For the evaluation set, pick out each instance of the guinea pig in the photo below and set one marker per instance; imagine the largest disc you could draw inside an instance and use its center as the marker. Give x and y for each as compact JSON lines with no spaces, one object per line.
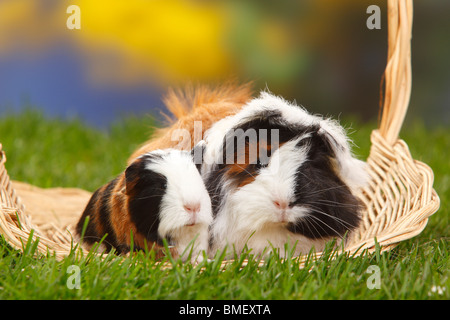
{"x":278,"y":175}
{"x":159,"y":196}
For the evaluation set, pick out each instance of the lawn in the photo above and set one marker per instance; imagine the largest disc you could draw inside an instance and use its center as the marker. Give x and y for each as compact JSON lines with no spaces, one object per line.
{"x":52,"y":152}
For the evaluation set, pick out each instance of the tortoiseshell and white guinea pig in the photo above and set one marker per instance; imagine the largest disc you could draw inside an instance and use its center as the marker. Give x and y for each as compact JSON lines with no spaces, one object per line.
{"x":161,"y":195}
{"x":277,"y":174}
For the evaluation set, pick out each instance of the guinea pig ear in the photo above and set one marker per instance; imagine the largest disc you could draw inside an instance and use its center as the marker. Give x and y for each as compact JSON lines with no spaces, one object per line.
{"x":323,"y":143}
{"x":132,"y":174}
{"x":351,"y":170}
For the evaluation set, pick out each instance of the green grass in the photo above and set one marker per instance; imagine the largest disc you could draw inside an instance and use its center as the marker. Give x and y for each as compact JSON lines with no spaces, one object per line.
{"x":52,"y":152}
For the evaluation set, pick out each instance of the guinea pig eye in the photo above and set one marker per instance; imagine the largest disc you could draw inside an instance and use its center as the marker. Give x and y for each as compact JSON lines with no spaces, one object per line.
{"x":164,"y":184}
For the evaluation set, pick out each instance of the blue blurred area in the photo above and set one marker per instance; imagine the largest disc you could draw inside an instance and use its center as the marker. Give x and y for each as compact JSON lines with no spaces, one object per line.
{"x":55,"y":82}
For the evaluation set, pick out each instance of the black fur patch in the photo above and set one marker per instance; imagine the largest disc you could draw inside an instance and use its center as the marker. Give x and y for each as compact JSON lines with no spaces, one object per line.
{"x":145,"y":190}
{"x":333,"y":209}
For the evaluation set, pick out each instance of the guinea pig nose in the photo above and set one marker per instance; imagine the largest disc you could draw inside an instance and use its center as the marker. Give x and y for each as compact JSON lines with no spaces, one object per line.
{"x":192,"y":207}
{"x":280,"y":204}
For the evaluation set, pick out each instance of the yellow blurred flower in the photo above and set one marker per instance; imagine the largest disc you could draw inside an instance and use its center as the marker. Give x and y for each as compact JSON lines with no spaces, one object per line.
{"x":170,"y":38}
{"x":22,"y":26}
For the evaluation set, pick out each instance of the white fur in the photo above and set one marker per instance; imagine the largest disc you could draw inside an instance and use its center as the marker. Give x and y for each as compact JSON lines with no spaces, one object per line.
{"x":184,"y":186}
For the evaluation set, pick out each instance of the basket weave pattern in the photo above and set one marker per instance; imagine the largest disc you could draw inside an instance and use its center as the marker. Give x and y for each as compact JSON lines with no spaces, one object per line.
{"x":399,"y":198}
{"x":398,"y":201}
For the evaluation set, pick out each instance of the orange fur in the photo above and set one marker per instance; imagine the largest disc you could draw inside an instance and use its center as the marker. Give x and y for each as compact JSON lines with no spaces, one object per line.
{"x":100,"y":229}
{"x":237,"y":168}
{"x":119,"y":220}
{"x":195,"y":104}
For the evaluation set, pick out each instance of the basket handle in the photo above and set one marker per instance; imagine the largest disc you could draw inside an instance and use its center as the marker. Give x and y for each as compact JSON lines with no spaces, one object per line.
{"x":397,"y":75}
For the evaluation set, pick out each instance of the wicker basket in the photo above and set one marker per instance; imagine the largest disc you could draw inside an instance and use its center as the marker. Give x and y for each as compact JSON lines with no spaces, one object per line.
{"x":398,"y":201}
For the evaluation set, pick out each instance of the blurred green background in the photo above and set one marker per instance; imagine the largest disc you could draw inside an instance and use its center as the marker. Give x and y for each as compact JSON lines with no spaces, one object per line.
{"x":319,"y":53}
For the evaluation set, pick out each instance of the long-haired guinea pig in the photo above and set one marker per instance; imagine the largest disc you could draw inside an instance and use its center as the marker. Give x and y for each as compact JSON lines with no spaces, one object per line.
{"x":277,"y":174}
{"x":160,"y":195}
